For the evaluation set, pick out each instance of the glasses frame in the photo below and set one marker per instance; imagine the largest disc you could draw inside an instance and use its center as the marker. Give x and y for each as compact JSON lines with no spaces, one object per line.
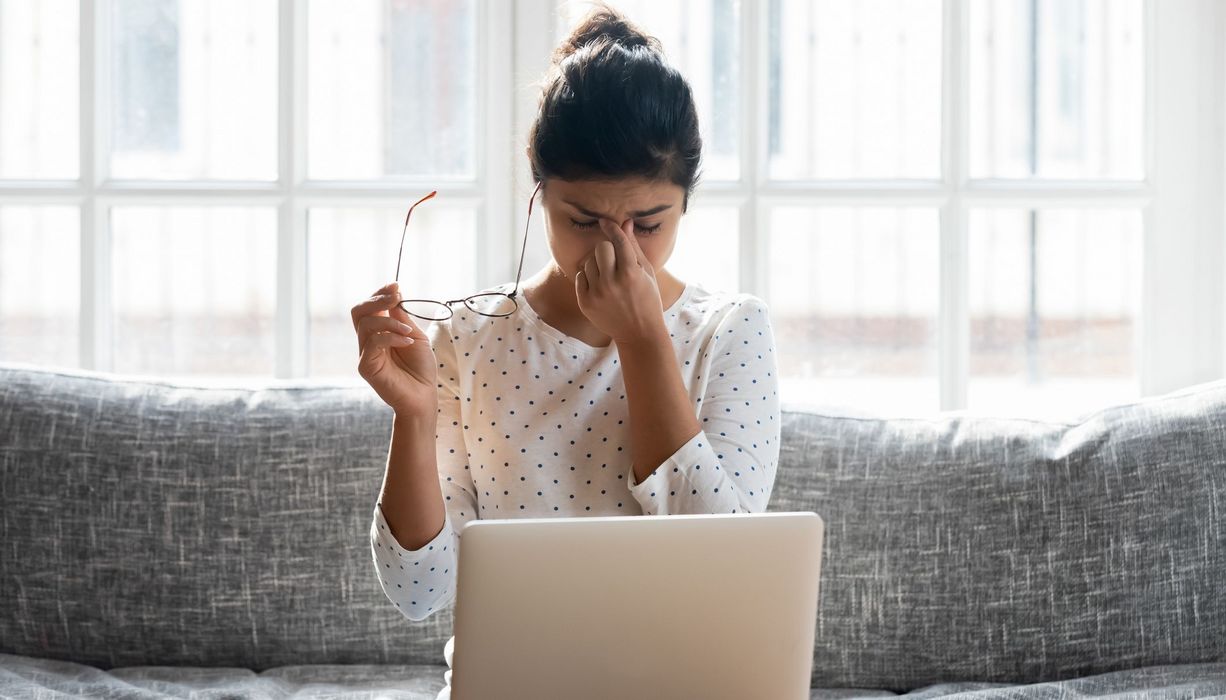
{"x":447,"y":304}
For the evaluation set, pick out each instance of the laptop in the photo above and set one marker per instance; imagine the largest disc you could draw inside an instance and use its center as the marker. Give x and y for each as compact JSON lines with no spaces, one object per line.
{"x":646,"y":606}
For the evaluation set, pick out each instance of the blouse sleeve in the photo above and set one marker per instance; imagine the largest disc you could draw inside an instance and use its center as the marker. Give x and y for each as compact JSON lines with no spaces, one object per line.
{"x":422,"y":581}
{"x":729,"y":465}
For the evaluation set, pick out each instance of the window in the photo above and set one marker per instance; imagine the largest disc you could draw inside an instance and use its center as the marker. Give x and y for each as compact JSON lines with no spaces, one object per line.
{"x":1002,"y":205}
{"x":952,"y":204}
{"x":206,"y":188}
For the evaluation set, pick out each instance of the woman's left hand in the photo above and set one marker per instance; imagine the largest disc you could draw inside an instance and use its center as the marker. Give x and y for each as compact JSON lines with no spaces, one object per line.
{"x":617,"y":290}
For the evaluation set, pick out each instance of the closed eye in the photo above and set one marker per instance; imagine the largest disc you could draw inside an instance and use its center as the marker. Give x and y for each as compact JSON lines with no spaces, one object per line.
{"x":646,"y":230}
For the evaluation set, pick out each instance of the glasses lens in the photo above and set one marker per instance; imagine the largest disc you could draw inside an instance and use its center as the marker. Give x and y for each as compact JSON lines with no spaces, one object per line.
{"x":426,"y":309}
{"x":494,"y":304}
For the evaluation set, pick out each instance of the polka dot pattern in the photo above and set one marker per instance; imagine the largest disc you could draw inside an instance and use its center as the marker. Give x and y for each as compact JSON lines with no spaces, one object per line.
{"x":535,"y":423}
{"x":729,"y":465}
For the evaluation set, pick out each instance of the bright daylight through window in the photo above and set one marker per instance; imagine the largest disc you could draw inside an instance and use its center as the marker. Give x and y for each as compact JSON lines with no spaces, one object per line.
{"x":944,"y":203}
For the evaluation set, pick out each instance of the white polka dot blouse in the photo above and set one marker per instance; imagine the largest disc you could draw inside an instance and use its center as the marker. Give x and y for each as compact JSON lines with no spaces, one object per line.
{"x":534,"y":423}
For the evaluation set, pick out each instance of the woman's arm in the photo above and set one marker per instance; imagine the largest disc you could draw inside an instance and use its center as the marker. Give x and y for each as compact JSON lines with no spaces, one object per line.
{"x":729,"y":464}
{"x":411,"y":498}
{"x":617,"y":291}
{"x":418,"y":569}
{"x":661,"y":416}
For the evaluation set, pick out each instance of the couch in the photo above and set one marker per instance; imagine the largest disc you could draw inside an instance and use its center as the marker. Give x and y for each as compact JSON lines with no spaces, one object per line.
{"x":163,"y":538}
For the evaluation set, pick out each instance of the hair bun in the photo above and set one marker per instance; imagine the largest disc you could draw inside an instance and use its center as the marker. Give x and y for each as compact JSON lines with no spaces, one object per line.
{"x":613,"y":107}
{"x":604,"y":25}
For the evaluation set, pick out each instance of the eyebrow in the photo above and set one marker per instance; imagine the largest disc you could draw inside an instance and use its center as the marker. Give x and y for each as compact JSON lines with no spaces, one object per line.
{"x":637,"y":214}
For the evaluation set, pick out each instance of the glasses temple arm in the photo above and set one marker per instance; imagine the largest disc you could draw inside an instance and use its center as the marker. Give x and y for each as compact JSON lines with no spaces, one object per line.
{"x":524,"y":248}
{"x":400,"y":253}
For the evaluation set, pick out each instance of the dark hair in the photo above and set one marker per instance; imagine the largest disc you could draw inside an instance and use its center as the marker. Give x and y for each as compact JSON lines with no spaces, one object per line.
{"x":612,"y":106}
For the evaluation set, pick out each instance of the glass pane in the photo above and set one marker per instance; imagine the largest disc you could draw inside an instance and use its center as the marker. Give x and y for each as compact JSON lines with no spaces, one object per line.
{"x":194,"y":289}
{"x":352,"y":252}
{"x":707,"y":248}
{"x":854,"y":294}
{"x":39,"y":55}
{"x":40,"y":285}
{"x":855,"y":89}
{"x":391,"y":89}
{"x":1055,"y":298}
{"x":702,"y":40}
{"x":194,"y":89}
{"x":1057,"y":89}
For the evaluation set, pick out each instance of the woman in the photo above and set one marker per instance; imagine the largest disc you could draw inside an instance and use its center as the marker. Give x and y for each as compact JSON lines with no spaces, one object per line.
{"x":615,"y":388}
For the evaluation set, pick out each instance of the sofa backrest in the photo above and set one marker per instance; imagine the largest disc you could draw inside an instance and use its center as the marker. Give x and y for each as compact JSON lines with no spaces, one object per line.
{"x":158,"y":523}
{"x":969,"y":547}
{"x":153,"y":523}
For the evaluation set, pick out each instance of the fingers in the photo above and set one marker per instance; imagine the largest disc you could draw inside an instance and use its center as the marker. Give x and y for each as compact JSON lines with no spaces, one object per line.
{"x":625,"y":253}
{"x":591,"y":269}
{"x":628,"y":230}
{"x":377,"y":344}
{"x":397,"y":312}
{"x":373,"y":327}
{"x":581,"y":286}
{"x":378,"y":304}
{"x":606,"y":259}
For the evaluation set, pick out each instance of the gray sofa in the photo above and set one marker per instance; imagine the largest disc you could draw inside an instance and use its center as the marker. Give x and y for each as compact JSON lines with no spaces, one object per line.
{"x":160,"y":539}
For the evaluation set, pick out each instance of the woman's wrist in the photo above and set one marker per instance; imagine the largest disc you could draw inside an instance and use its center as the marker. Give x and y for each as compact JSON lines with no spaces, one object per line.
{"x":415,"y":420}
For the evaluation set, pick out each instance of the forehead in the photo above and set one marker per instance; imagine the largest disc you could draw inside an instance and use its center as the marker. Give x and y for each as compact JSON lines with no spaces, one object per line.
{"x":619,"y":195}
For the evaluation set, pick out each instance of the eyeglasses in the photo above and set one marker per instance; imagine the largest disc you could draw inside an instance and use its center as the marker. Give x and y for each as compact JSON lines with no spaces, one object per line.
{"x":495,"y":304}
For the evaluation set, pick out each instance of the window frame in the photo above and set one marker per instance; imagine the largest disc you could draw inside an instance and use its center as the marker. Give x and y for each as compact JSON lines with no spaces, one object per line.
{"x":292,"y":193}
{"x":1181,"y":330}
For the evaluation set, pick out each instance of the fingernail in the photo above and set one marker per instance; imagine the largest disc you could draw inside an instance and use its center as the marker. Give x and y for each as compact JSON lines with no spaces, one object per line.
{"x":406,"y":328}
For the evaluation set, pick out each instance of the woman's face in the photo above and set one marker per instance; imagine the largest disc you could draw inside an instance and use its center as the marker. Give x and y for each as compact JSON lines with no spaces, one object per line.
{"x":574,"y":207}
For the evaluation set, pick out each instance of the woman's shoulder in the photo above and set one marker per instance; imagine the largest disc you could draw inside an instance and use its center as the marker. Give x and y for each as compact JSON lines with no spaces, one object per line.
{"x":715,"y":305}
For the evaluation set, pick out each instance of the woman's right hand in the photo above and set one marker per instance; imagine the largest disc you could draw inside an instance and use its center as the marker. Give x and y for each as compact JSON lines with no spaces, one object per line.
{"x":395,"y":356}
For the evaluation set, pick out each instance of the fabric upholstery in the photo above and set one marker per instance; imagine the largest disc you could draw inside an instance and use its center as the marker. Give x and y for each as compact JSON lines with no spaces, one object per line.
{"x":1007,"y":550}
{"x":26,"y":677}
{"x":157,"y":523}
{"x":153,"y":524}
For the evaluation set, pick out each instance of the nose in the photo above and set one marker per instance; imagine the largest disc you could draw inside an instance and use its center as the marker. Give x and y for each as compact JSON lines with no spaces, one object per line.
{"x":621,"y":225}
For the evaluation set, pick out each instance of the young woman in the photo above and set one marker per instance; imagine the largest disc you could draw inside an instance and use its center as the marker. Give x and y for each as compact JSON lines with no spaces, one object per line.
{"x":614,"y":388}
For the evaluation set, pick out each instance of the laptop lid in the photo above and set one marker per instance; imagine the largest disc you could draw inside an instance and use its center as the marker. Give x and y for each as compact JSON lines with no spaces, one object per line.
{"x":663,"y":606}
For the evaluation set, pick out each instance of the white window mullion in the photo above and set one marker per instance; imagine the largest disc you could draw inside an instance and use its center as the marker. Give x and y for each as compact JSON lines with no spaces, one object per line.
{"x":95,"y":321}
{"x":292,"y":330}
{"x":1143,"y":327}
{"x":96,"y":328}
{"x":534,"y":27}
{"x":1055,"y":193}
{"x":754,"y":233}
{"x":953,"y":326}
{"x":498,"y":256}
{"x":1184,"y":295}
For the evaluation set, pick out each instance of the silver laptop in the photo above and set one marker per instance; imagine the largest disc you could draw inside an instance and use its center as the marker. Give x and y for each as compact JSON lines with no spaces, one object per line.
{"x":647,"y":606}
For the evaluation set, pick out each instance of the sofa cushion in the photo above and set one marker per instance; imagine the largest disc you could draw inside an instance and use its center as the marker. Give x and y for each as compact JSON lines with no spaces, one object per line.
{"x":24,"y":677}
{"x":964,"y":546}
{"x":28,"y":677}
{"x":159,"y":523}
